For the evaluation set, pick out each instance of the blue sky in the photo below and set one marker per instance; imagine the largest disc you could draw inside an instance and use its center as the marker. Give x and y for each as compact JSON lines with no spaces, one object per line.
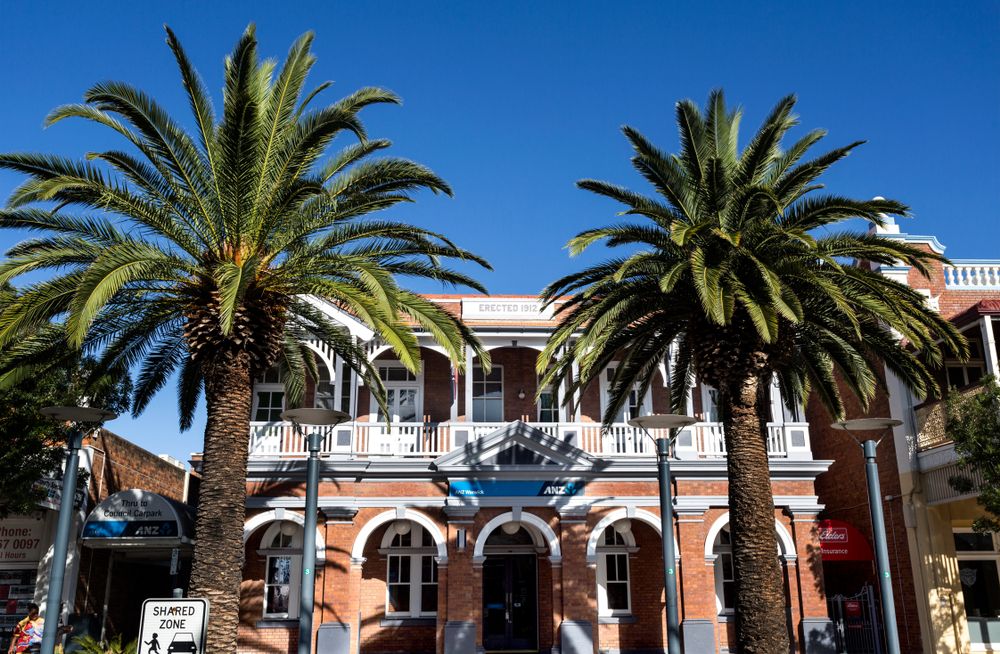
{"x":513,"y":102}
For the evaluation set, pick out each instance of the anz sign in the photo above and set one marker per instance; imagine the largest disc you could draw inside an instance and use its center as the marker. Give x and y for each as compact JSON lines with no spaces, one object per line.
{"x":513,"y":488}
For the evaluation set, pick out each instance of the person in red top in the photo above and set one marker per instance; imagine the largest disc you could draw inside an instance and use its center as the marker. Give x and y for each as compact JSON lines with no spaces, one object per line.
{"x":28,"y":632}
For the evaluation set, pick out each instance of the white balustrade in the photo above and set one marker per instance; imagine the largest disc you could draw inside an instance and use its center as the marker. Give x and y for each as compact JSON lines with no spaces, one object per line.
{"x":703,"y":440}
{"x":972,"y":275}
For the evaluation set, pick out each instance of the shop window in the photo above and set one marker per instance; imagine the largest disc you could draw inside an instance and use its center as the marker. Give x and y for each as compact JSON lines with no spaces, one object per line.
{"x":411,"y":571}
{"x":282,"y":547}
{"x":487,"y":394}
{"x":614,"y":592}
{"x":725,"y":572}
{"x":978,"y":557}
{"x":17,"y":590}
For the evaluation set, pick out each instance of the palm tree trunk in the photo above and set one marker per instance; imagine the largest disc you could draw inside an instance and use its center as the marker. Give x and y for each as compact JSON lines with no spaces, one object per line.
{"x":217,"y":569}
{"x":761,"y":626}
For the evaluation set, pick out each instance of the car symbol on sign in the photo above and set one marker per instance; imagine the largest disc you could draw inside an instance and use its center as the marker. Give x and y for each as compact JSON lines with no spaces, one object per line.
{"x":183,"y":642}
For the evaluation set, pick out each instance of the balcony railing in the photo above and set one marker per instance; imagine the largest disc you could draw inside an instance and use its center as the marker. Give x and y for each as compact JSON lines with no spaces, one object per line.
{"x":703,"y":440}
{"x":932,"y":418}
{"x":972,"y":276}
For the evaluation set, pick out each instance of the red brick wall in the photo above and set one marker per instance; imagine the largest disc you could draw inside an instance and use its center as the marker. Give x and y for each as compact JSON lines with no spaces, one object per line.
{"x":120,"y":465}
{"x":843,"y":490}
{"x":951,"y":302}
{"x":648,"y":602}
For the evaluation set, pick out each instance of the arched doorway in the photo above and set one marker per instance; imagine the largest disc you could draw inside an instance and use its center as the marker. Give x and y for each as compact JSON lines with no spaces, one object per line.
{"x":510,"y":548}
{"x":510,"y":590}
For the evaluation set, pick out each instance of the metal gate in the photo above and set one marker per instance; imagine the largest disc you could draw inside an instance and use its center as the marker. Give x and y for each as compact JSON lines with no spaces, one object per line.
{"x":856,"y":623}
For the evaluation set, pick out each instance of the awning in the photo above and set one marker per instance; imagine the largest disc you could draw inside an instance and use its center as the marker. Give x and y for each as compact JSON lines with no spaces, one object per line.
{"x":841,"y":541}
{"x":139,"y":518}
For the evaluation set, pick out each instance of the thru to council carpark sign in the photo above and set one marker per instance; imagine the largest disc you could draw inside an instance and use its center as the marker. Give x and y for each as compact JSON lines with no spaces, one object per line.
{"x":173,"y":626}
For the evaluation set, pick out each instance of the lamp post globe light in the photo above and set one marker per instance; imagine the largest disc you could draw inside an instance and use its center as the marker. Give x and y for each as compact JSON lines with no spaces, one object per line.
{"x":312,"y":418}
{"x":868,"y":446}
{"x":80,"y":416}
{"x":672,"y":422}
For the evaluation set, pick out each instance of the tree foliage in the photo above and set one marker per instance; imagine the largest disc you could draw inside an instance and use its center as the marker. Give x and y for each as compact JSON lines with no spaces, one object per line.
{"x":737,"y":271}
{"x":737,"y":256}
{"x":974,"y":425}
{"x":31,"y":447}
{"x":191,"y":246}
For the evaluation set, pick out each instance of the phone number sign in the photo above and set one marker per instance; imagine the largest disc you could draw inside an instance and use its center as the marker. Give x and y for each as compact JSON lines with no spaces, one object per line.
{"x":20,"y":540}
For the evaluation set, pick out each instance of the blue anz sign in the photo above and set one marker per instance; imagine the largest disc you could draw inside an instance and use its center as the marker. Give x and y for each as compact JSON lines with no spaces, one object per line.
{"x":513,"y":488}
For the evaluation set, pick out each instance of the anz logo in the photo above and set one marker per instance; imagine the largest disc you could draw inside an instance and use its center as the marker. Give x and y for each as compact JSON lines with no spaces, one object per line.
{"x":148,"y":530}
{"x":569,"y":488}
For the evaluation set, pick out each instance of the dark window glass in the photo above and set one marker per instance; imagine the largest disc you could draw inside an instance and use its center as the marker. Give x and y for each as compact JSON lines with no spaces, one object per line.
{"x":980,"y":588}
{"x":970,"y":542}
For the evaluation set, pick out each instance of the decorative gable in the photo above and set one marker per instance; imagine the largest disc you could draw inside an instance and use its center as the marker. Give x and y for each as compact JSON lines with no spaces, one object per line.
{"x":520,"y":445}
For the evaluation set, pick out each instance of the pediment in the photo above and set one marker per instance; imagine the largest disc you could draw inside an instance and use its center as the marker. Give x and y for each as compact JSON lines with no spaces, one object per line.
{"x":516,"y":445}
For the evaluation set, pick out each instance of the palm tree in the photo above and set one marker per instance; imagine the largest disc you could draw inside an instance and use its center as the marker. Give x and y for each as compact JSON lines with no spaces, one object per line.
{"x":733,"y":268}
{"x":199,"y":253}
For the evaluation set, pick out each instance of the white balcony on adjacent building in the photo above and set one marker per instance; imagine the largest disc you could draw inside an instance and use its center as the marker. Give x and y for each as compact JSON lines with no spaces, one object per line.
{"x":703,"y":440}
{"x":972,"y":275}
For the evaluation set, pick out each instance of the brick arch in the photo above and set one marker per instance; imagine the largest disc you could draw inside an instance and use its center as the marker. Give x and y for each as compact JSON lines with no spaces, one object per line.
{"x":535,"y":524}
{"x":620,"y":514}
{"x":786,"y":546}
{"x":358,"y":550}
{"x":277,"y":515}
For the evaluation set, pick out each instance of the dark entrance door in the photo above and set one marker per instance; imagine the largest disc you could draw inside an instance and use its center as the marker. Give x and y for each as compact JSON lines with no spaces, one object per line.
{"x":510,"y":603}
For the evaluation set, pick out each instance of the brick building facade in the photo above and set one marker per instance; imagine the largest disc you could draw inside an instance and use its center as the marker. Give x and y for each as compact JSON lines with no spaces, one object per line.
{"x":945,"y":579}
{"x":113,"y":466}
{"x":473,"y":519}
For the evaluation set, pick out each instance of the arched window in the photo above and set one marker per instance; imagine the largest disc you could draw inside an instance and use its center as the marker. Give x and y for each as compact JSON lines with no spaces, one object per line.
{"x":614,"y":592}
{"x":411,"y":588}
{"x":725,"y":575}
{"x":282,"y":547}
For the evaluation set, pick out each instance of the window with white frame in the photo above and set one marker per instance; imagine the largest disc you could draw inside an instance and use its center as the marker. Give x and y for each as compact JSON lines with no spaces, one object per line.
{"x":487,"y":394}
{"x":269,"y":396}
{"x":710,"y":403}
{"x":633,"y":407}
{"x":978,"y":557}
{"x":402,"y":391}
{"x":345,"y":387}
{"x":614,"y":591}
{"x":281,"y":546}
{"x":326,"y":396}
{"x":548,"y":405}
{"x":725,"y":572}
{"x":411,"y":586}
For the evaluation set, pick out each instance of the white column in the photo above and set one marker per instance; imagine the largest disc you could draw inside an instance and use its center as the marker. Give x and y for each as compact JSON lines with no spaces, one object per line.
{"x":989,"y":346}
{"x":777,"y":402}
{"x":453,"y":386}
{"x":469,"y":355}
{"x":575,"y":371}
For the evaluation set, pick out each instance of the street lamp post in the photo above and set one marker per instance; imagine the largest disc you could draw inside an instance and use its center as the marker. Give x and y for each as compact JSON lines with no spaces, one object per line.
{"x":314,"y":418}
{"x":878,"y":519}
{"x":671,"y":422}
{"x":79,"y":416}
